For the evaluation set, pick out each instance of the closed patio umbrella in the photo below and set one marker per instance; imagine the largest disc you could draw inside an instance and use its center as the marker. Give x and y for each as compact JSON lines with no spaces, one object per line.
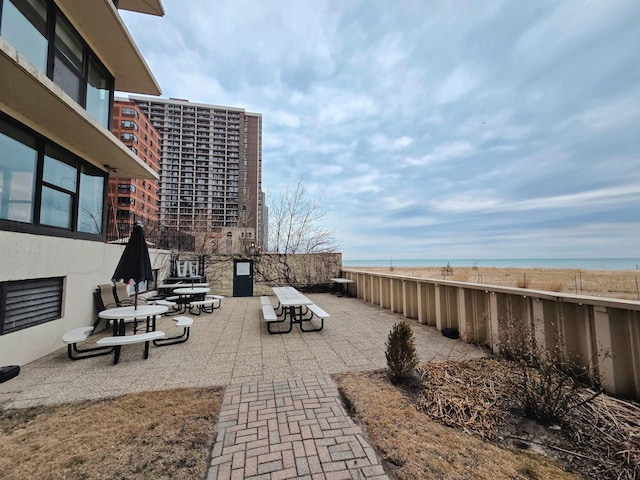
{"x":135,"y":263}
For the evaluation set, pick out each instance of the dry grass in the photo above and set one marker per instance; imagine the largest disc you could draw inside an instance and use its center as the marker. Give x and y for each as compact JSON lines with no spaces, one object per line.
{"x":420,"y":448}
{"x":523,"y":282}
{"x":462,"y":419}
{"x":553,"y":286}
{"x":169,"y":434}
{"x":603,"y":283}
{"x":160,"y":435}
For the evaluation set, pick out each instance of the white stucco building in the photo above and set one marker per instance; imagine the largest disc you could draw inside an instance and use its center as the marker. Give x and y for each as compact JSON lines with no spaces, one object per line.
{"x":60,"y":63}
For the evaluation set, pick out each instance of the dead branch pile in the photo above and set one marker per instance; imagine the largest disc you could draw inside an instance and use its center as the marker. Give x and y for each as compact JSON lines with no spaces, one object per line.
{"x":467,"y":395}
{"x":476,"y":395}
{"x":609,"y":428}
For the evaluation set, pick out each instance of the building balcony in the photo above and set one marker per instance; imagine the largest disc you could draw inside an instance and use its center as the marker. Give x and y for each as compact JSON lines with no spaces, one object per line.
{"x":107,"y":34}
{"x":28,"y":95}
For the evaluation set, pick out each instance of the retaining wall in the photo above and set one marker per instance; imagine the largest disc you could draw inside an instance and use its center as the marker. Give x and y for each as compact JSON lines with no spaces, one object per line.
{"x":601,"y":334}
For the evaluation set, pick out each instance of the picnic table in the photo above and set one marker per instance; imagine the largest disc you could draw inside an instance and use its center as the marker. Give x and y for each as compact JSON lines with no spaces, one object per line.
{"x":186,"y":295}
{"x":120,"y":316}
{"x":341,"y":285}
{"x":291,"y":303}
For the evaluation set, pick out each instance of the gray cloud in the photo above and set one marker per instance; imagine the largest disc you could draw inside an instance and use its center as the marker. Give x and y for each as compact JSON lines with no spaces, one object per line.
{"x":433,"y":129}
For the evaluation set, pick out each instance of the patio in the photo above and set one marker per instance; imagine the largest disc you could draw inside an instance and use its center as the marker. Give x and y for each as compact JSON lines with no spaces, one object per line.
{"x":230,"y":346}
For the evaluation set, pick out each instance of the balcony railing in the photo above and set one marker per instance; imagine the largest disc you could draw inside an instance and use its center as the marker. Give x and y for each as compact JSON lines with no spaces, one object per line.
{"x":600,"y":334}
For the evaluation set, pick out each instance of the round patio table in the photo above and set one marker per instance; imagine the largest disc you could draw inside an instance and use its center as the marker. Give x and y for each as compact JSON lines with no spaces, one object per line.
{"x":188,"y":294}
{"x":120,"y":315}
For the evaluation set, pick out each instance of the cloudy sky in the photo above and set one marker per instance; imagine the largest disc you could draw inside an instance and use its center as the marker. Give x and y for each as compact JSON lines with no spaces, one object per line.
{"x":431,"y":129}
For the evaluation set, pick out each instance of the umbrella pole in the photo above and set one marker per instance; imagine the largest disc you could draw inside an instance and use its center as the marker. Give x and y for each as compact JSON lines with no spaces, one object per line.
{"x":135,"y":297}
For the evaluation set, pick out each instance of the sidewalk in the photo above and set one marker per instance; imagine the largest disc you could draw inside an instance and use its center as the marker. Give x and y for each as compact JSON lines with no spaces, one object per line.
{"x":290,"y":429}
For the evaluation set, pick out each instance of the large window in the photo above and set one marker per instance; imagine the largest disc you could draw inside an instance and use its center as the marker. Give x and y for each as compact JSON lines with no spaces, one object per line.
{"x":67,"y":61}
{"x":99,"y":92}
{"x":70,"y":63}
{"x":44,"y":187}
{"x":18,"y":160}
{"x":59,"y":181}
{"x":91,"y":200}
{"x":29,"y":302}
{"x":129,"y":124}
{"x":129,"y":137}
{"x":24,"y":25}
{"x":130,"y":112}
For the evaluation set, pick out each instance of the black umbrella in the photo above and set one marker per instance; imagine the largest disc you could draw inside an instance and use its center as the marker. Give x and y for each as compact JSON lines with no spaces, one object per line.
{"x":135,"y":263}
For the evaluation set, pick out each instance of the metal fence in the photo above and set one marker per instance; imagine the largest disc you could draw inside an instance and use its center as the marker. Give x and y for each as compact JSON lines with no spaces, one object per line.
{"x":599,"y":334}
{"x":157,"y":235}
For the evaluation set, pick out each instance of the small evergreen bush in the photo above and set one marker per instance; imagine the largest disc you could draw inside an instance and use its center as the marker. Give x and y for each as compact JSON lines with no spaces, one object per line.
{"x":401,"y":351}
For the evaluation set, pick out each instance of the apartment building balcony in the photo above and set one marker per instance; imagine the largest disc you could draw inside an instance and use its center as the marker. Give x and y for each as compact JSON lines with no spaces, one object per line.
{"x":61,"y":118}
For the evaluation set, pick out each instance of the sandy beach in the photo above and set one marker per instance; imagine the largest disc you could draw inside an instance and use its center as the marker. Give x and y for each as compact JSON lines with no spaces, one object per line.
{"x":622,"y":284}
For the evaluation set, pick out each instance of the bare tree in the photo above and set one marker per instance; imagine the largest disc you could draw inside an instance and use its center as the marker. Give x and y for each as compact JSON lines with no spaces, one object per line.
{"x":293,"y":224}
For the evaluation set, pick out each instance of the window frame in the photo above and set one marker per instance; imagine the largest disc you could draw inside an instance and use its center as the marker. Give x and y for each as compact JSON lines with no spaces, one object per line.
{"x":42,"y":145}
{"x":129,"y":112}
{"x":62,"y":157}
{"x":55,"y":15}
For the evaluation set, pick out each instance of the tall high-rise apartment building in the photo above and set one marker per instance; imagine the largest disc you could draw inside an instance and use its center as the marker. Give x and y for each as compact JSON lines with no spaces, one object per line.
{"x":132,"y":199}
{"x":210,"y":171}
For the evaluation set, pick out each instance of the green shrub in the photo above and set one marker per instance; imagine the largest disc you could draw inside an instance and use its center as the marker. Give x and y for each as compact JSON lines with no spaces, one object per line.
{"x":401,"y":351}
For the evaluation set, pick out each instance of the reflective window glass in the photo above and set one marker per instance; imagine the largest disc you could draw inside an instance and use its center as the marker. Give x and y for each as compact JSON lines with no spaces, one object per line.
{"x":98,"y":89}
{"x":24,"y":25}
{"x":18,"y":159}
{"x":66,"y":78}
{"x":68,"y":43}
{"x":91,"y":201}
{"x":59,"y":173}
{"x":56,"y":208}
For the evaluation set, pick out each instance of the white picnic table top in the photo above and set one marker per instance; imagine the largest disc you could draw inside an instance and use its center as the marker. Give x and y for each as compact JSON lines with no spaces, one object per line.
{"x":172,"y":286}
{"x":131,"y":313}
{"x":191,"y":291}
{"x":121,"y":315}
{"x":289,"y":297}
{"x":341,"y":280}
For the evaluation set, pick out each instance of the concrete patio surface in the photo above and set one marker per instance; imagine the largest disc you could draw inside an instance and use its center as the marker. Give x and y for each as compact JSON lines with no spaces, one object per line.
{"x":229,"y":346}
{"x":282,"y":416}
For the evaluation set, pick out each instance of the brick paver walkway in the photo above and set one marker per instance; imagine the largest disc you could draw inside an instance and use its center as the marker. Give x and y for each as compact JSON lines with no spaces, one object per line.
{"x":295,"y":428}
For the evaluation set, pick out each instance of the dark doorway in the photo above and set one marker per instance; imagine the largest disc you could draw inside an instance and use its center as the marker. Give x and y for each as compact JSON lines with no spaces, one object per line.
{"x":243,"y":278}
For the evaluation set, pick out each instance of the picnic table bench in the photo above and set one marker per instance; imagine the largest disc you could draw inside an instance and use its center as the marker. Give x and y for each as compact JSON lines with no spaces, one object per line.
{"x":118,"y":341}
{"x":208,"y":305}
{"x":315,"y":311}
{"x":268,"y":312}
{"x":80,"y":334}
{"x":185,"y":323}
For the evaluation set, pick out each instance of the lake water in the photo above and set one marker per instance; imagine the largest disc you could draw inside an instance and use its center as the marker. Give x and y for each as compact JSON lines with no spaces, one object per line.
{"x":580,"y":263}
